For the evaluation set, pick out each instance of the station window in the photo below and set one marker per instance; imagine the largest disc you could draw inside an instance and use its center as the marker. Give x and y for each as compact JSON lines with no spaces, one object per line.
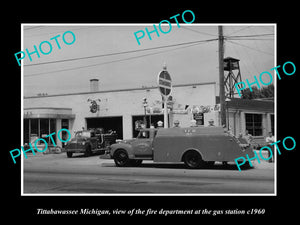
{"x":65,"y":123}
{"x":39,"y":128}
{"x":52,"y":128}
{"x":44,"y":129}
{"x":34,"y":129}
{"x":272,"y":123}
{"x":254,"y":124}
{"x":26,"y":131}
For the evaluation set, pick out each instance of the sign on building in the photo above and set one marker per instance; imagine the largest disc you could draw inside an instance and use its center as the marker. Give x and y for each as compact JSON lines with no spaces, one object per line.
{"x":199,"y":117}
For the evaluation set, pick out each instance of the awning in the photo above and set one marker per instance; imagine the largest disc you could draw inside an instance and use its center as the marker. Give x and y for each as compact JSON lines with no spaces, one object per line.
{"x":48,"y":112}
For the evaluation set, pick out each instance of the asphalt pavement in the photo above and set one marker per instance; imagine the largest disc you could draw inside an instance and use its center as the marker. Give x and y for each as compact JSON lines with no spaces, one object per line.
{"x":57,"y":174}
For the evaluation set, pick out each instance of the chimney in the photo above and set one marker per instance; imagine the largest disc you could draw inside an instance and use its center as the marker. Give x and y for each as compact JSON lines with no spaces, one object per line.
{"x":94,"y":86}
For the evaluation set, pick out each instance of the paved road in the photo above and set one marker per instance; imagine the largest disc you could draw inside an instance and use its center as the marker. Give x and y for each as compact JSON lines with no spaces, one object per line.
{"x":57,"y":174}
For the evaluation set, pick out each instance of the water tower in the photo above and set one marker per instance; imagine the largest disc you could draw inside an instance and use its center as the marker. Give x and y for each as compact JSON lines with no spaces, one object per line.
{"x":232,"y":77}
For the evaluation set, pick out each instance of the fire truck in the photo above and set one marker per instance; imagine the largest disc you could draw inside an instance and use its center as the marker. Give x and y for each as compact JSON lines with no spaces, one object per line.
{"x":195,"y":146}
{"x":90,"y":141}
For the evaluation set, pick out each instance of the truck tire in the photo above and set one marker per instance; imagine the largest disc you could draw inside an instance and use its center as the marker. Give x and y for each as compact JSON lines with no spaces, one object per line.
{"x":192,"y":159}
{"x":57,"y":150}
{"x":69,"y":154}
{"x":121,"y":158}
{"x":88,"y":151}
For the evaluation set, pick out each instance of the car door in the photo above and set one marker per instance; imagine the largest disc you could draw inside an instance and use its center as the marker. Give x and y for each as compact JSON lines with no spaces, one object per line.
{"x":93,"y":141}
{"x":142,"y":146}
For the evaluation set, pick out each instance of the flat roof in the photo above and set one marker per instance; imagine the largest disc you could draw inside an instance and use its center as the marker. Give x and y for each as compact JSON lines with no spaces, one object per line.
{"x":251,"y":104}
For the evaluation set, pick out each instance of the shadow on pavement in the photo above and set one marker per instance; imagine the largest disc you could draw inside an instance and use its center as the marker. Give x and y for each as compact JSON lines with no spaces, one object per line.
{"x":217,"y":166}
{"x":182,"y":166}
{"x":82,"y":155}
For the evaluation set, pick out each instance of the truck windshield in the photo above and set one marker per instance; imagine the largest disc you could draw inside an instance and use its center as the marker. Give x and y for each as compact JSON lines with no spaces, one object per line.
{"x":83,"y":134}
{"x":147,"y":134}
{"x":143,"y":134}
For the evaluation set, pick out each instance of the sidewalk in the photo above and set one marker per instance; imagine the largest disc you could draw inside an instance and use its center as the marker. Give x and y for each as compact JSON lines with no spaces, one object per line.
{"x":264,"y":164}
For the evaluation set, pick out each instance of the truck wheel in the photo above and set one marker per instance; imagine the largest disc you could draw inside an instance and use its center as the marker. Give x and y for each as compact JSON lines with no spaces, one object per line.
{"x":193,"y":160}
{"x":121,"y":158}
{"x":69,"y":154}
{"x":57,"y":150}
{"x":88,"y":151}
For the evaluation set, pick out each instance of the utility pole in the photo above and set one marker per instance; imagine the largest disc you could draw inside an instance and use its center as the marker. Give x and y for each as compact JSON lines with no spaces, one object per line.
{"x":221,"y":76}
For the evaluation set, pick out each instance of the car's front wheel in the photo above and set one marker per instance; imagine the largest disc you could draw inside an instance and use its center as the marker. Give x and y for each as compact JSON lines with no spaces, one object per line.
{"x":121,"y":158}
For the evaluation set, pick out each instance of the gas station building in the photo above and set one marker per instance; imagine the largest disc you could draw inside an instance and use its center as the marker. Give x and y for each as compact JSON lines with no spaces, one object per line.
{"x":119,"y":110}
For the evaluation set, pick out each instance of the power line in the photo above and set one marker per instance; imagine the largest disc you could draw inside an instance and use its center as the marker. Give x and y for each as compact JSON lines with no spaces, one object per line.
{"x":244,"y":65}
{"x":243,"y":28}
{"x":252,"y":35}
{"x":250,"y":47}
{"x":138,"y":50}
{"x":119,"y":60}
{"x":119,"y":53}
{"x":200,"y":32}
{"x":258,"y":39}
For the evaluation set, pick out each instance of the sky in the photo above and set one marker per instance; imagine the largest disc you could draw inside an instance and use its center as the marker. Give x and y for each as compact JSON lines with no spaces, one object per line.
{"x":189,"y":51}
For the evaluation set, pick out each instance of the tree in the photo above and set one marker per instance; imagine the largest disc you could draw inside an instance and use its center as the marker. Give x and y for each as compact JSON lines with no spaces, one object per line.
{"x":263,"y":92}
{"x":267,"y":92}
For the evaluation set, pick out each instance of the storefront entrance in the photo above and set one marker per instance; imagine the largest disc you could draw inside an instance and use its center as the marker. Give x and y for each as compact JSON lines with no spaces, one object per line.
{"x":107,"y":123}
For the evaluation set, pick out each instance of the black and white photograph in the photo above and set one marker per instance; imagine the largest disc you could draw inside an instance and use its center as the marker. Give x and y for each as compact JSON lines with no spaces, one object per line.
{"x":148,"y":118}
{"x":148,"y":111}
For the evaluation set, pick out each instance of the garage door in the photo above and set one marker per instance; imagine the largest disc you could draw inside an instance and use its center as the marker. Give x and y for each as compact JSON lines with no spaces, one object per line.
{"x":108,"y":123}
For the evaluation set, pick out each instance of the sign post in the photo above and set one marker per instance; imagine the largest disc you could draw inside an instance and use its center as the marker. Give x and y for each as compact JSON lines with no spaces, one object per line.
{"x":165,"y":86}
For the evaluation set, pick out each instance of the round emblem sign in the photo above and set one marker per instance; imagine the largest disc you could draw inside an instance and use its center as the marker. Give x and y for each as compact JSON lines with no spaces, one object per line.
{"x":93,"y":107}
{"x":164,"y":83}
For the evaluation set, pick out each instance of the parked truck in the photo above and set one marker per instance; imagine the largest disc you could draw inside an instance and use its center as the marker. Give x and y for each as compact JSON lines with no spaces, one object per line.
{"x":195,"y":146}
{"x":90,"y":141}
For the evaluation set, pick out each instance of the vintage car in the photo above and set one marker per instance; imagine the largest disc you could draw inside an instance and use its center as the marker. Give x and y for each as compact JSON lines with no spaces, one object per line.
{"x":195,"y":146}
{"x":90,"y":141}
